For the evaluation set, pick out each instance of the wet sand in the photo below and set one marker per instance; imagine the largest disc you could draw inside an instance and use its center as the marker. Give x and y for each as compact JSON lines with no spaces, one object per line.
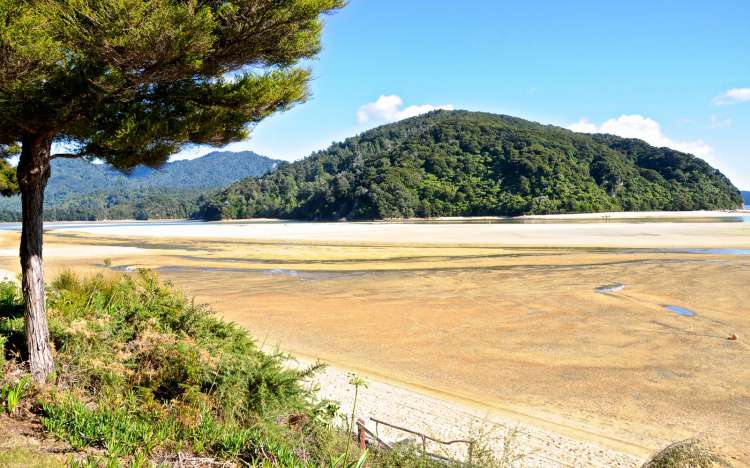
{"x":506,"y":317}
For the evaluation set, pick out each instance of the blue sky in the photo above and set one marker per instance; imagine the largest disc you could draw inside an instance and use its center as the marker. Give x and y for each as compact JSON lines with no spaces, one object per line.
{"x":675,"y":73}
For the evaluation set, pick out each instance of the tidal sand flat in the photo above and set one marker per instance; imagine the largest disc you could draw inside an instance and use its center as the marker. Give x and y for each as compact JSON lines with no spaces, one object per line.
{"x":507,"y":318}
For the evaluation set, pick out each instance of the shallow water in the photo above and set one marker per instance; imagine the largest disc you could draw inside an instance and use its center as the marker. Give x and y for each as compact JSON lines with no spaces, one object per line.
{"x":713,"y":251}
{"x":680,"y":311}
{"x":729,"y":218}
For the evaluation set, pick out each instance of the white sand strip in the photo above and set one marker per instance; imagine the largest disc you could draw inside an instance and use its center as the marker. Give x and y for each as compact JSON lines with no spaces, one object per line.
{"x":631,"y":235}
{"x":448,"y":420}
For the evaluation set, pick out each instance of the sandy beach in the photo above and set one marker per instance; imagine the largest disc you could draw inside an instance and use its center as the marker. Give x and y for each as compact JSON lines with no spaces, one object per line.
{"x":566,"y":329}
{"x":444,"y":419}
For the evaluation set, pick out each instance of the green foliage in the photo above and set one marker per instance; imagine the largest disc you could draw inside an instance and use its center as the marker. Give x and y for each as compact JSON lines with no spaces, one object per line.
{"x":150,"y":203}
{"x":458,"y":163}
{"x":82,"y":191}
{"x":11,"y":321}
{"x":8,"y":180}
{"x":132,"y":82}
{"x":343,"y":461}
{"x":12,"y":393}
{"x":407,"y":456}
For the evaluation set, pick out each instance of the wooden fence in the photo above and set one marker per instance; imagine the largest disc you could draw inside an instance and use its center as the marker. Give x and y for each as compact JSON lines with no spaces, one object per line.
{"x":363,"y":433}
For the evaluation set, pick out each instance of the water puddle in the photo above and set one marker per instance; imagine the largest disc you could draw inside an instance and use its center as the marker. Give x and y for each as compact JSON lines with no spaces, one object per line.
{"x":680,"y":311}
{"x":610,"y":288}
{"x":678,"y":251}
{"x":281,"y":271}
{"x":717,"y":251}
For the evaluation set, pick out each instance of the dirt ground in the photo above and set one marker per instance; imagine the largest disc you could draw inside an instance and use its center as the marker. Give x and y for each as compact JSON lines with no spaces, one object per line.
{"x":519,"y":330}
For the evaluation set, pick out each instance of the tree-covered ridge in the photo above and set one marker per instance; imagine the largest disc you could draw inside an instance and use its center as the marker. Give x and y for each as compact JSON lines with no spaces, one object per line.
{"x":144,"y":204}
{"x":459,"y":163}
{"x":81,"y":190}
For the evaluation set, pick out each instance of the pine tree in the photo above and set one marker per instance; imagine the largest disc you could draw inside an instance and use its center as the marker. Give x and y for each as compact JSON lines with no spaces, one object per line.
{"x":131,"y":82}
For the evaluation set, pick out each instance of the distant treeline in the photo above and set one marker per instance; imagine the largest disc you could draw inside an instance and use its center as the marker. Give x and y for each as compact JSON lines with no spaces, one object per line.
{"x":458,"y":163}
{"x":152,"y":203}
{"x":83,"y":191}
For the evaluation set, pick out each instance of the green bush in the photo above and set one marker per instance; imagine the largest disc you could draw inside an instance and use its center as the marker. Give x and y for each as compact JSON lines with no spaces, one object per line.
{"x":2,"y":353}
{"x":141,"y":369}
{"x":10,"y":311}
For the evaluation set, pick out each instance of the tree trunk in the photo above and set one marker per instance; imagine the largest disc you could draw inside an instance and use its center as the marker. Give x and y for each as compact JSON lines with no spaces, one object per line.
{"x":33,"y":172}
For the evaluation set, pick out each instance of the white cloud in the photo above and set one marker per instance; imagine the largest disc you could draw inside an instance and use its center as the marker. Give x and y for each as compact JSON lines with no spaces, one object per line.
{"x":391,"y":108}
{"x":584,"y":126}
{"x":643,"y":128}
{"x":733,"y":96}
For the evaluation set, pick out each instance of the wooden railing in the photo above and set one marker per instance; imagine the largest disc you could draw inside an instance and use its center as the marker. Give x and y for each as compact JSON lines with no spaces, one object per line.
{"x":363,"y":432}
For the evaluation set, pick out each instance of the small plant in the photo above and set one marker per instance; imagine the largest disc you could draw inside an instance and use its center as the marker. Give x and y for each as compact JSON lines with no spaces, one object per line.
{"x":2,"y":353}
{"x":691,"y":453}
{"x":107,"y":262}
{"x":486,"y":453}
{"x":357,"y":382}
{"x":342,"y":462}
{"x":12,"y":394}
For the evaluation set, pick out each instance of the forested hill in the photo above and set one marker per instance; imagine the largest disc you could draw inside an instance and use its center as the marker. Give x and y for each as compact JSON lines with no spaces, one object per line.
{"x":459,"y":163}
{"x":79,"y":189}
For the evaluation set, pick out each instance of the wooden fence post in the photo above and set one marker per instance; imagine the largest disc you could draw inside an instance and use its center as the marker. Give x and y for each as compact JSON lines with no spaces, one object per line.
{"x":361,"y":434}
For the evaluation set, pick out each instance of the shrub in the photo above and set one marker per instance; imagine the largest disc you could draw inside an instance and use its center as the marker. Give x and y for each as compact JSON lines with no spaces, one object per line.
{"x":690,"y":453}
{"x":2,"y":352}
{"x":141,"y":369}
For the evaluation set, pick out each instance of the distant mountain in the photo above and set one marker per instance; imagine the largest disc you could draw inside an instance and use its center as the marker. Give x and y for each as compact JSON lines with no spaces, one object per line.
{"x":746,"y":197}
{"x":459,"y":163}
{"x":77,"y":183}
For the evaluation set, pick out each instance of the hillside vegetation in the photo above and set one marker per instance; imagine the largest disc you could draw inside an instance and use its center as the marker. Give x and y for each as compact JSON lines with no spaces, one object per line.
{"x":81,"y":190}
{"x":143,"y":204}
{"x":459,"y":163}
